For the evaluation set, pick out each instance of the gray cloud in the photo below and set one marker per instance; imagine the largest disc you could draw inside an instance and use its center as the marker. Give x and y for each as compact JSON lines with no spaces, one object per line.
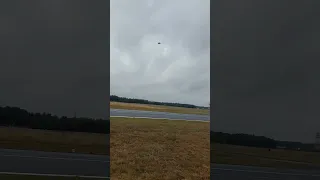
{"x":265,"y":68}
{"x":178,"y":69}
{"x":54,"y":56}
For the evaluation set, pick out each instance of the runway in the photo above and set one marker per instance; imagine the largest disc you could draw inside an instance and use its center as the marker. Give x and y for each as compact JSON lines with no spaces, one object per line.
{"x":236,"y":172}
{"x":50,"y":163}
{"x":96,"y":166}
{"x":158,"y":115}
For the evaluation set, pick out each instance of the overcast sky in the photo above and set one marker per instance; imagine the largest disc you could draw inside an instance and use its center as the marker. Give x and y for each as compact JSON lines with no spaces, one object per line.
{"x":54,"y":56}
{"x":266,"y":68}
{"x":265,"y":64}
{"x":178,"y":69}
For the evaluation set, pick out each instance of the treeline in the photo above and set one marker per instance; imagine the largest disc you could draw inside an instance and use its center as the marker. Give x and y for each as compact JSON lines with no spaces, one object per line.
{"x":17,"y":117}
{"x":143,"y":101}
{"x":257,"y":141}
{"x":242,"y":140}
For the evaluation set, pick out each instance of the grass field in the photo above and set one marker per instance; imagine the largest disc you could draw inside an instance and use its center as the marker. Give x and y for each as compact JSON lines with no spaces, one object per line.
{"x":280,"y":158}
{"x":146,"y":149}
{"x":156,"y":149}
{"x":146,"y":107}
{"x":29,"y":177}
{"x":33,"y":139}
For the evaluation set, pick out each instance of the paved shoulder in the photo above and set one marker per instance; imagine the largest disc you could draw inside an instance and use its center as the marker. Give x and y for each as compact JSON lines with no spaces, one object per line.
{"x":38,"y":162}
{"x":154,"y":114}
{"x":230,"y":172}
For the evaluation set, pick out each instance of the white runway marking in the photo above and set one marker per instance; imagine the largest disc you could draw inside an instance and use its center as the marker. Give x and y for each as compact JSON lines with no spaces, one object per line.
{"x":266,"y":172}
{"x":52,"y":175}
{"x":55,"y":158}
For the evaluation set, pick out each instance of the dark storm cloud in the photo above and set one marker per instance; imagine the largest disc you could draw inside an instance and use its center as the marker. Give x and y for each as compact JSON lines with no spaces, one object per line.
{"x":265,"y":68}
{"x":54,"y":56}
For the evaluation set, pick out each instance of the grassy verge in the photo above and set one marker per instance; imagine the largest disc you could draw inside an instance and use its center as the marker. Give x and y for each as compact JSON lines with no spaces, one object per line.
{"x":29,"y":177}
{"x":279,"y":158}
{"x":146,"y":107}
{"x":55,"y":141}
{"x":159,"y":149}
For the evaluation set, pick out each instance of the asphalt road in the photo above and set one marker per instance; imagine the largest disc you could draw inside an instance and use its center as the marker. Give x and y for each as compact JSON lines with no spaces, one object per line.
{"x":235,"y":172}
{"x":38,"y":162}
{"x":159,"y":115}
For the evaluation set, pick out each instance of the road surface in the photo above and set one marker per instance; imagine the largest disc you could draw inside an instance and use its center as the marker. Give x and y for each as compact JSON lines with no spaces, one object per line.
{"x":236,"y":172}
{"x":38,"y":162}
{"x":154,"y":114}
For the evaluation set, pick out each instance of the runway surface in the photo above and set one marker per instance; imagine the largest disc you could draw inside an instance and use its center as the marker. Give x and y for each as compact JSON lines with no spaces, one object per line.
{"x":38,"y":162}
{"x":159,"y":115}
{"x":235,"y":172}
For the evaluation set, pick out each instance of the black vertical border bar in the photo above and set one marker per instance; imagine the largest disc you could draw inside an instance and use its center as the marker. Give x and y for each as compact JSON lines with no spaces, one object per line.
{"x":103,"y":9}
{"x":101,"y":105}
{"x":108,"y":81}
{"x":211,"y":78}
{"x":217,"y":8}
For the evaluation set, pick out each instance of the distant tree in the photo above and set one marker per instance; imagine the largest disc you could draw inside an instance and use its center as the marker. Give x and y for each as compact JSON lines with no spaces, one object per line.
{"x":142,"y":101}
{"x":242,"y":139}
{"x":13,"y":116}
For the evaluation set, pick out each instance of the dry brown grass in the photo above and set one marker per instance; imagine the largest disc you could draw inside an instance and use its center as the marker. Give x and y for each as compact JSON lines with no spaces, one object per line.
{"x":145,"y":107}
{"x":143,"y":149}
{"x":230,"y":154}
{"x":55,"y":141}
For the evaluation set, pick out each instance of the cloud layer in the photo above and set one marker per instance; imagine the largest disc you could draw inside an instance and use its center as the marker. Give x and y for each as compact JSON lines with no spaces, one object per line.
{"x":178,"y":69}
